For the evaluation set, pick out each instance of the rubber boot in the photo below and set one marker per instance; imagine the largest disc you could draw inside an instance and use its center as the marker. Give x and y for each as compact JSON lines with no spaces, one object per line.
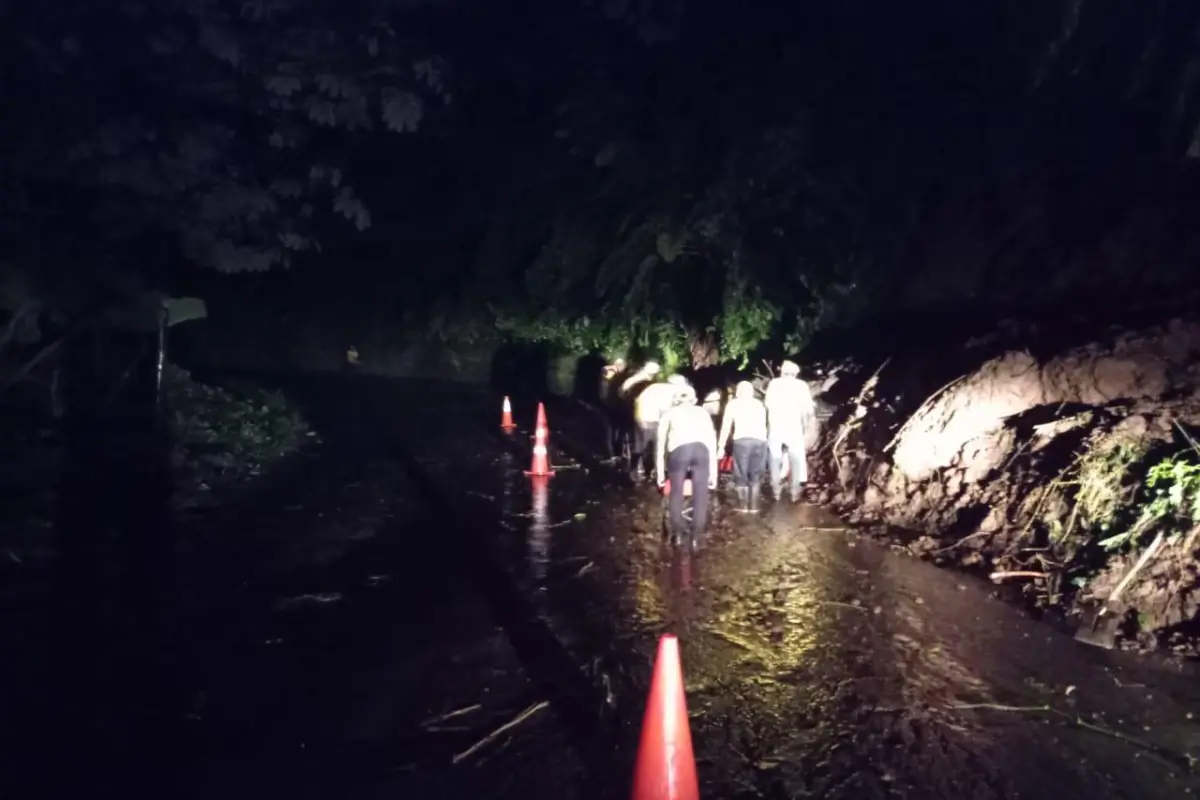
{"x":752,"y":504}
{"x":743,"y":498}
{"x":669,"y":532}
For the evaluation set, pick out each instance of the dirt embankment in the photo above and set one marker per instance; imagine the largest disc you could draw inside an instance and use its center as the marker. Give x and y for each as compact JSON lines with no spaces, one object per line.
{"x":1047,"y":467}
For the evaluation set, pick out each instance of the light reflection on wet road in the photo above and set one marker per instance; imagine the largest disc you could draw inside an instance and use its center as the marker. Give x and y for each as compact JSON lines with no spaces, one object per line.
{"x":819,"y":664}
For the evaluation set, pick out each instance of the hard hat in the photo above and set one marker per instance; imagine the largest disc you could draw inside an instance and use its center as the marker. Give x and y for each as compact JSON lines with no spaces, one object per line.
{"x":684,"y":393}
{"x":651,"y":366}
{"x":744,"y":389}
{"x":678,"y":380}
{"x":789,"y":368}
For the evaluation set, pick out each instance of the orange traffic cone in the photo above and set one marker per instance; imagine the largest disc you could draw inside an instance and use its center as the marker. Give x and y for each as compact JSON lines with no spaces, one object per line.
{"x":541,"y":437}
{"x":506,"y":415}
{"x":666,"y":768}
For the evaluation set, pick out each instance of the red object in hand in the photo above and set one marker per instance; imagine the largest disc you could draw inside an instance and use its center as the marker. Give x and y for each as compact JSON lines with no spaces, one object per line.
{"x":726,"y":464}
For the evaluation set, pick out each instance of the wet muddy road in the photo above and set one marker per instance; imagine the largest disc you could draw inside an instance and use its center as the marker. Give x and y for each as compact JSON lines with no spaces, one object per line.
{"x":817,"y":663}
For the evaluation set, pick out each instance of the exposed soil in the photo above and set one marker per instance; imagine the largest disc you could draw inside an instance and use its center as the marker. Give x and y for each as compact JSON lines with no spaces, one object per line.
{"x":1018,"y":452}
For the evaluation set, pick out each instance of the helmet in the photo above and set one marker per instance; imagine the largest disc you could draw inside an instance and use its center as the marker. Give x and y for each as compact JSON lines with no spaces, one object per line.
{"x":651,"y":367}
{"x":678,"y":380}
{"x":790,"y":369}
{"x":684,"y":393}
{"x":744,"y":390}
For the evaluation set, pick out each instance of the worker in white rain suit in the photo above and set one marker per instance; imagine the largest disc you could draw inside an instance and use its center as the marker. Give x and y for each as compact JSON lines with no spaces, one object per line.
{"x":649,"y":404}
{"x":626,"y":386}
{"x":745,"y":420}
{"x":679,"y":381}
{"x":687,"y":443}
{"x":645,"y":375}
{"x":790,"y":406}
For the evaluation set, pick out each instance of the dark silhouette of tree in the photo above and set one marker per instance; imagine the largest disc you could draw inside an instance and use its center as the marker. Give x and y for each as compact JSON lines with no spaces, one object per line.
{"x":216,"y":129}
{"x":153,"y":135}
{"x":720,"y":177}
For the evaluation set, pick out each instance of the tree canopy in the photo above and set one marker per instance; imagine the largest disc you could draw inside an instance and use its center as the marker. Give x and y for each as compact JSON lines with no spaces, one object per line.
{"x":759,"y":178}
{"x":668,"y":174}
{"x":204,"y":131}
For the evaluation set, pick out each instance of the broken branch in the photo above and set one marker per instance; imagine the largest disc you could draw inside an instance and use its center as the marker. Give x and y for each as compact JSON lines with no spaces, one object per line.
{"x":1182,"y":760}
{"x":1020,"y":573}
{"x":458,"y":712}
{"x":1141,"y":562}
{"x":929,"y":401}
{"x":961,"y":541}
{"x":503,"y":729}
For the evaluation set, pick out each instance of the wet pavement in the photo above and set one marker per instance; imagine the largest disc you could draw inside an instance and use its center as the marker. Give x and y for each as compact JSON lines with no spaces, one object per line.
{"x":817,"y":663}
{"x":491,"y":635}
{"x":360,"y":660}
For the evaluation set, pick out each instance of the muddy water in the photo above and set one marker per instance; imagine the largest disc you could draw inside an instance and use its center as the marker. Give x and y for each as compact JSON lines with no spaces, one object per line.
{"x":820,"y":664}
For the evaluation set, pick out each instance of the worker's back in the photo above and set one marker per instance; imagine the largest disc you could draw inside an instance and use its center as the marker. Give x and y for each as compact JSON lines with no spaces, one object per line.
{"x":652,"y":402}
{"x":745,"y":418}
{"x":688,"y":424}
{"x":789,"y":402}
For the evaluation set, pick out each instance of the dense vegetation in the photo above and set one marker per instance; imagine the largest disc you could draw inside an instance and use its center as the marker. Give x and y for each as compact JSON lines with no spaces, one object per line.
{"x":671,"y":174}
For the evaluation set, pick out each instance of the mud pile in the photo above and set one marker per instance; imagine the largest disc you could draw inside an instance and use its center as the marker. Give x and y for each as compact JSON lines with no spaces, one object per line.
{"x":1049,"y":467}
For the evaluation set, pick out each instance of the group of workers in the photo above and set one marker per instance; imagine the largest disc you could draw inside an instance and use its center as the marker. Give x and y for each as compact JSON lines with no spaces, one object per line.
{"x":669,"y":425}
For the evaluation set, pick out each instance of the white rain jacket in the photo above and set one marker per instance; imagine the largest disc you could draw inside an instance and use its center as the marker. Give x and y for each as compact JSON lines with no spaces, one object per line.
{"x":685,"y":424}
{"x":745,"y":418}
{"x":789,"y":404}
{"x":653,"y":402}
{"x":631,"y":383}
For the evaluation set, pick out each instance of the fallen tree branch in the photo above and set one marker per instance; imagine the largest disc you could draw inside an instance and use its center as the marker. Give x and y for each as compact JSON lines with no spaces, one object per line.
{"x":839,"y":604}
{"x":856,"y":422}
{"x":496,"y":734}
{"x":458,"y":712}
{"x":1019,"y":573}
{"x":928,"y":402}
{"x":1184,"y":760}
{"x":963,"y":540}
{"x":28,"y":367}
{"x":1141,"y":562}
{"x":1001,"y":707}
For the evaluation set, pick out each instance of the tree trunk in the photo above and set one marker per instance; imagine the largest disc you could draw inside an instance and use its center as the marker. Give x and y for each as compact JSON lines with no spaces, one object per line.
{"x":704,"y":347}
{"x":106,"y":669}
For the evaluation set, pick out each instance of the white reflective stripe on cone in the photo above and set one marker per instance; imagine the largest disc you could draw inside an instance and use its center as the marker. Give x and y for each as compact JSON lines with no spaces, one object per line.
{"x":539,"y":449}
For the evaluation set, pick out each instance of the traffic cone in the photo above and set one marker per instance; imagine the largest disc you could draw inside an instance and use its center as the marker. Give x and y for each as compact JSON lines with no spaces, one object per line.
{"x":541,"y":438}
{"x":666,"y":767}
{"x":506,"y":415}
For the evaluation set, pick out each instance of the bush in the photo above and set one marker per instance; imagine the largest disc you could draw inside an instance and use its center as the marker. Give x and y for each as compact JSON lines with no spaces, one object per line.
{"x":222,"y":437}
